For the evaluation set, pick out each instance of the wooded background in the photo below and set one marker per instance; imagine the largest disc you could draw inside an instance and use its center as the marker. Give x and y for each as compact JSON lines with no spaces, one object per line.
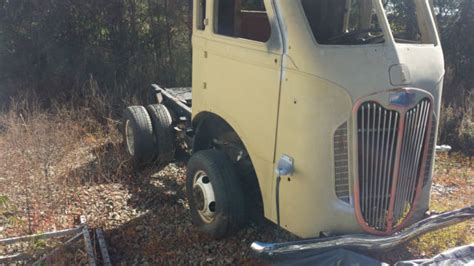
{"x":52,"y":48}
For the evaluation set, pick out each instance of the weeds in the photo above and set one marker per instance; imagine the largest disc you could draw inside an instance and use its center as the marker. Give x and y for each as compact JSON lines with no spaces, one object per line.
{"x":8,"y":214}
{"x":43,"y":153}
{"x":457,"y":126}
{"x":453,"y":181}
{"x":436,"y":242}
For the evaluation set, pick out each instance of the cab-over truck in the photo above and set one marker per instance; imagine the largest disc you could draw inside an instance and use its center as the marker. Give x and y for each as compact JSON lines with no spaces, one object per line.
{"x":320,"y":114}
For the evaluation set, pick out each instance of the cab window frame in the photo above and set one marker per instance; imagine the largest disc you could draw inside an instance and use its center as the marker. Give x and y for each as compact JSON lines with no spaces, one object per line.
{"x":215,"y":26}
{"x":201,"y":16}
{"x":309,"y":31}
{"x":428,"y":16}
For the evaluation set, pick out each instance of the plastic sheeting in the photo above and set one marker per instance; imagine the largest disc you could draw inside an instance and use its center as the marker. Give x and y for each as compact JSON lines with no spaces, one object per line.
{"x":341,"y":257}
{"x":454,"y":257}
{"x":335,"y":257}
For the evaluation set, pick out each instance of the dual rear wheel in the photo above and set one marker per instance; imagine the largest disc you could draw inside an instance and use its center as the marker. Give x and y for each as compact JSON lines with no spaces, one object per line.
{"x":148,"y":134}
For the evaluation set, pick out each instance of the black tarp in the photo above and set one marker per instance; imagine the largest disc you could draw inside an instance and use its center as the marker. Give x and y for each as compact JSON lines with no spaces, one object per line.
{"x":456,"y":256}
{"x":341,"y":257}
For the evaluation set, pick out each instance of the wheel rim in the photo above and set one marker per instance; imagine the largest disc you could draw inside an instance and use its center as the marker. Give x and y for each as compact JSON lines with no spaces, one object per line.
{"x":130,"y":138}
{"x":204,"y":197}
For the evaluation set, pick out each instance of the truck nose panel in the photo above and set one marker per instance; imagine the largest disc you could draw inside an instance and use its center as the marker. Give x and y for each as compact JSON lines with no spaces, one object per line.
{"x":399,"y":75}
{"x":393,"y":130}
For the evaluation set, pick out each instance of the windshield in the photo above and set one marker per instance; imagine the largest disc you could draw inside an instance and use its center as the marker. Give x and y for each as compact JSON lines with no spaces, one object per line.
{"x":343,"y":22}
{"x":408,"y":21}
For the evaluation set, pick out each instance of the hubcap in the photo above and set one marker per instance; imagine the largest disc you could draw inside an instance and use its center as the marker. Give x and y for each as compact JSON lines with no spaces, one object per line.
{"x":130,"y":137}
{"x":204,"y":196}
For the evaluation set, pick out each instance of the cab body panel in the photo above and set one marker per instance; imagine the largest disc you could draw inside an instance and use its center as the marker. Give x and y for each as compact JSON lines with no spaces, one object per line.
{"x":242,"y":86}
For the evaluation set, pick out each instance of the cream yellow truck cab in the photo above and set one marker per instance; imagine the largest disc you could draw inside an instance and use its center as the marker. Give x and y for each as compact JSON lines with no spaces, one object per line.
{"x":322,"y":114}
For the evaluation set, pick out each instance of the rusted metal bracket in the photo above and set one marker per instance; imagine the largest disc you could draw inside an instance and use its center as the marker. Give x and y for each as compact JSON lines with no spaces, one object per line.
{"x":55,"y":251}
{"x":20,"y":257}
{"x":81,"y":231}
{"x":103,"y":247}
{"x":55,"y":234}
{"x":88,"y":246}
{"x":12,"y":258}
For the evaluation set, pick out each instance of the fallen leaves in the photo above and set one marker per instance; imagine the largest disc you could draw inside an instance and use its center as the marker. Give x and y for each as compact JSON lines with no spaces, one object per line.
{"x":146,"y":215}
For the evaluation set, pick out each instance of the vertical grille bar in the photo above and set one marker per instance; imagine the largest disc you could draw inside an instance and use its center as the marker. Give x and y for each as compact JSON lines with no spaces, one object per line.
{"x":390,"y":165}
{"x":376,"y":172}
{"x":372,"y":165}
{"x":380,"y":217}
{"x":378,"y":134}
{"x":361,"y":133}
{"x":366,"y":177}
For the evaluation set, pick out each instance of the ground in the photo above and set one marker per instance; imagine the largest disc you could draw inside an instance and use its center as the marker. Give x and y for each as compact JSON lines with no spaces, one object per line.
{"x":53,"y":170}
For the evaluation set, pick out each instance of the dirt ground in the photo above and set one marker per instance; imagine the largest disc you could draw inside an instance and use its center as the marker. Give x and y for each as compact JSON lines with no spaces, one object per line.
{"x":145,"y":215}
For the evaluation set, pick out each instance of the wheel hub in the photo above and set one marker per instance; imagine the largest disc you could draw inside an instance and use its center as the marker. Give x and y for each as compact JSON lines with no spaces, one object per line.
{"x":130,"y":138}
{"x":204,"y":196}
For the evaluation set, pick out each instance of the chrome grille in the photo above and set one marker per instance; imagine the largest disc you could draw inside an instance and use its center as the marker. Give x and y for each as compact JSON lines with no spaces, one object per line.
{"x":341,"y":163}
{"x":416,"y":125}
{"x":377,"y":138}
{"x":391,"y":145}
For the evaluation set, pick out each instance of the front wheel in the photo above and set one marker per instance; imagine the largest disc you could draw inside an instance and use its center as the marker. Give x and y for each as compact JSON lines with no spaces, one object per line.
{"x":215,"y":194}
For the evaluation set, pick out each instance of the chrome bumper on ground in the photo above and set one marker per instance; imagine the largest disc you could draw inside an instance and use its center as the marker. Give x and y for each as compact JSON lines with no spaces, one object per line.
{"x":363,"y":241}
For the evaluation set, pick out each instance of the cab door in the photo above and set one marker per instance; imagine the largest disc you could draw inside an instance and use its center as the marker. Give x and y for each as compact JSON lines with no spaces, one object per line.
{"x":201,"y":32}
{"x":243,"y":73}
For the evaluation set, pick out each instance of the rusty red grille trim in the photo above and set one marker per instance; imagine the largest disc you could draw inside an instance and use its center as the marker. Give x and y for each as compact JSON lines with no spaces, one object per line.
{"x":386,"y":189}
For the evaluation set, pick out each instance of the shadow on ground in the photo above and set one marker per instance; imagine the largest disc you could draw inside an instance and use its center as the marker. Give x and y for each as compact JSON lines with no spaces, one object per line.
{"x":161,"y":232}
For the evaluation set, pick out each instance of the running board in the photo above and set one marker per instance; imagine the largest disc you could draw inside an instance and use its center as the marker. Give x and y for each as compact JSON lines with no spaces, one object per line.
{"x":363,"y":242}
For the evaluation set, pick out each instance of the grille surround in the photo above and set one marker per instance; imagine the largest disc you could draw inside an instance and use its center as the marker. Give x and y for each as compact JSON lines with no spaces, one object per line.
{"x":380,"y":209}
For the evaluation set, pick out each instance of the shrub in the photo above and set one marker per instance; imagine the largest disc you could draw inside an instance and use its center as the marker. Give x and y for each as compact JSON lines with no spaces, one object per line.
{"x":457,"y":126}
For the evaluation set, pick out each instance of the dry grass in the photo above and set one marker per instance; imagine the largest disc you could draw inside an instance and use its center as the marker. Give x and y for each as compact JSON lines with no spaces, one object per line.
{"x":49,"y":160}
{"x":44,"y":154}
{"x":46,"y":159}
{"x":457,"y":126}
{"x":453,"y":188}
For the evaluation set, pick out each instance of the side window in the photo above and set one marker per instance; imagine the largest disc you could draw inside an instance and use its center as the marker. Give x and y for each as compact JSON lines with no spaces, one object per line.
{"x":245,"y":19}
{"x":201,"y":15}
{"x":343,"y":22}
{"x":407,"y":21}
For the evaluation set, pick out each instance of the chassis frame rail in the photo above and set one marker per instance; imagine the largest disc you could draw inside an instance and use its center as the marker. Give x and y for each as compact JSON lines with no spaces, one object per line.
{"x":363,"y":241}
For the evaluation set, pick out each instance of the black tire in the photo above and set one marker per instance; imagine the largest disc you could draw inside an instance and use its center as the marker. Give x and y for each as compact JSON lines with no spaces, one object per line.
{"x":163,"y":133}
{"x":136,"y":119}
{"x":229,"y":215}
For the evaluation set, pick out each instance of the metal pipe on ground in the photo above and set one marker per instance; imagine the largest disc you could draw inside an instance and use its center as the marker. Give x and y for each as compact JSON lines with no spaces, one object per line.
{"x":362,"y":241}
